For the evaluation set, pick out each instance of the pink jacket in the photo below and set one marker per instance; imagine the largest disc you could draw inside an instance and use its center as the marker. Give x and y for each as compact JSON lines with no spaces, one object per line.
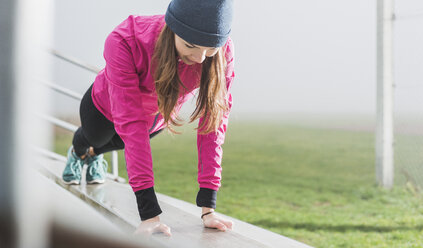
{"x":124,"y":92}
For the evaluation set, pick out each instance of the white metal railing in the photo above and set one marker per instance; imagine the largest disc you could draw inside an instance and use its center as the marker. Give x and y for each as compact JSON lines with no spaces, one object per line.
{"x":114,"y":175}
{"x":75,"y":61}
{"x":62,"y":90}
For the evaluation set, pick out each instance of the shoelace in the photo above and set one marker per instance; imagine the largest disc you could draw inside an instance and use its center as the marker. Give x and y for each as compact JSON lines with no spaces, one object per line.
{"x":77,"y":167}
{"x":93,"y":168}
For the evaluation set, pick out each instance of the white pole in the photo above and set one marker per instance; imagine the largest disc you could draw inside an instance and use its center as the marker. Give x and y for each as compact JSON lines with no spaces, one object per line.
{"x":115,"y":171}
{"x":384,"y":120}
{"x":33,"y":34}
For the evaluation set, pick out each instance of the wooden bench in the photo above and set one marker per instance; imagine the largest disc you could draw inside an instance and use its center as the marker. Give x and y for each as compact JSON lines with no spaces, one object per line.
{"x":116,"y":202}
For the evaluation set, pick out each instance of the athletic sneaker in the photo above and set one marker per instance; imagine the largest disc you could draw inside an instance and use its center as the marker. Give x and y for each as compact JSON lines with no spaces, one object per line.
{"x":97,"y":169}
{"x":72,"y":172}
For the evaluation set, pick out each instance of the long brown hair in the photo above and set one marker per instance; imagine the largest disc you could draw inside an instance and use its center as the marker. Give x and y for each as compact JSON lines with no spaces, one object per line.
{"x":211,"y":101}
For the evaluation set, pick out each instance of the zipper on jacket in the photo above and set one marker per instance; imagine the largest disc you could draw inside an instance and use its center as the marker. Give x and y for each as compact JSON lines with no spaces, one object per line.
{"x":200,"y":158}
{"x":154,"y":123}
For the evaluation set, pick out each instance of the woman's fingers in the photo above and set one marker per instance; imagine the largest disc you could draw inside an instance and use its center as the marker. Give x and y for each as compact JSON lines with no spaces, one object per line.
{"x":228,"y":223}
{"x":154,"y":227}
{"x":221,"y":226}
{"x":218,"y":224}
{"x":144,"y":231}
{"x":215,"y":221}
{"x":164,"y":229}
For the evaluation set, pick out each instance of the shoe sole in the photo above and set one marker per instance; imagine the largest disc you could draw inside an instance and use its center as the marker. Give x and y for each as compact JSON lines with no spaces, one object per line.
{"x":73,"y":182}
{"x":96,"y":181}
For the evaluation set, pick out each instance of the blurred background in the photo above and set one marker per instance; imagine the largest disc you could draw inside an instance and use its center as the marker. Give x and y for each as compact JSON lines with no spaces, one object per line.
{"x":299,"y":156}
{"x":306,"y":62}
{"x":292,"y":57}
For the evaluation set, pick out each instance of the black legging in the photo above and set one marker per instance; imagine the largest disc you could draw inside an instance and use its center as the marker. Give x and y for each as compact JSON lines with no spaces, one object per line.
{"x":96,"y":130}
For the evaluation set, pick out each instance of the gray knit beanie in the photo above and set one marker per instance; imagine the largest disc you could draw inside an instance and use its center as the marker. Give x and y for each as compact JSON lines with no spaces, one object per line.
{"x":201,"y":22}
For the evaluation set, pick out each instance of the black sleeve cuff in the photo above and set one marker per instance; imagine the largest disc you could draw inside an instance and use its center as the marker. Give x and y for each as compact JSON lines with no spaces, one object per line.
{"x":207,"y":198}
{"x":148,"y":207}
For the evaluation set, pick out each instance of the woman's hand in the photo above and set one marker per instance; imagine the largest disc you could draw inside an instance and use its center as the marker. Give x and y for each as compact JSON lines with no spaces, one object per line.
{"x":214,"y":221}
{"x":153,"y":225}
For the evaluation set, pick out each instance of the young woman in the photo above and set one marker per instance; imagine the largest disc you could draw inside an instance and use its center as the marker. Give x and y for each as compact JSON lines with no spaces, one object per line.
{"x":153,"y":65}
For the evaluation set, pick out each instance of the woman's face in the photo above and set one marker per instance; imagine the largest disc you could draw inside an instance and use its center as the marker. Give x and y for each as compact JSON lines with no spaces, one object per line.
{"x":190,"y":53}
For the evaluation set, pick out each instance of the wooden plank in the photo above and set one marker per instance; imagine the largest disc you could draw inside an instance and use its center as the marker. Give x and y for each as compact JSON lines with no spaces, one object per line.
{"x":117,"y":202}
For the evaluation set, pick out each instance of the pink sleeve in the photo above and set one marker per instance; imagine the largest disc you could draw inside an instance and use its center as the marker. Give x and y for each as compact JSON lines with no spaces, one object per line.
{"x":127,"y":111}
{"x":210,"y":145}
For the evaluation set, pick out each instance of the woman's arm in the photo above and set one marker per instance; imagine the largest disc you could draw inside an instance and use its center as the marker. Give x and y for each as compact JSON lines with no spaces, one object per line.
{"x":210,"y":145}
{"x":130,"y":121}
{"x":210,"y":155}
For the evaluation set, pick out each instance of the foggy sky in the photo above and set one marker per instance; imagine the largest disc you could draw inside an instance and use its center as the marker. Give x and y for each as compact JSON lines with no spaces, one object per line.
{"x":291,"y":56}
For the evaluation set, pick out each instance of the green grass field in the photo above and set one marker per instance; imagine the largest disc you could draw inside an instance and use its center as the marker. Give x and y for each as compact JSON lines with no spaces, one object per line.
{"x":313,"y":185}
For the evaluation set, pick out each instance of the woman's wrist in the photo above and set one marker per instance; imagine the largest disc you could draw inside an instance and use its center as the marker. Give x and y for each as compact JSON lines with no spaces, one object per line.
{"x":206,"y":210}
{"x":154,"y":219}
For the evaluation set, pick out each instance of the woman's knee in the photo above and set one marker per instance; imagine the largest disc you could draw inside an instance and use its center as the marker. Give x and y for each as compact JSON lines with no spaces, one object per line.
{"x":80,"y":143}
{"x":118,"y":142}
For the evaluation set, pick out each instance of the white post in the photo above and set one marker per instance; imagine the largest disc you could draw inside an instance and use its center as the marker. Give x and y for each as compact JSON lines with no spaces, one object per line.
{"x":115,"y":171}
{"x":384,"y":120}
{"x":33,"y":32}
